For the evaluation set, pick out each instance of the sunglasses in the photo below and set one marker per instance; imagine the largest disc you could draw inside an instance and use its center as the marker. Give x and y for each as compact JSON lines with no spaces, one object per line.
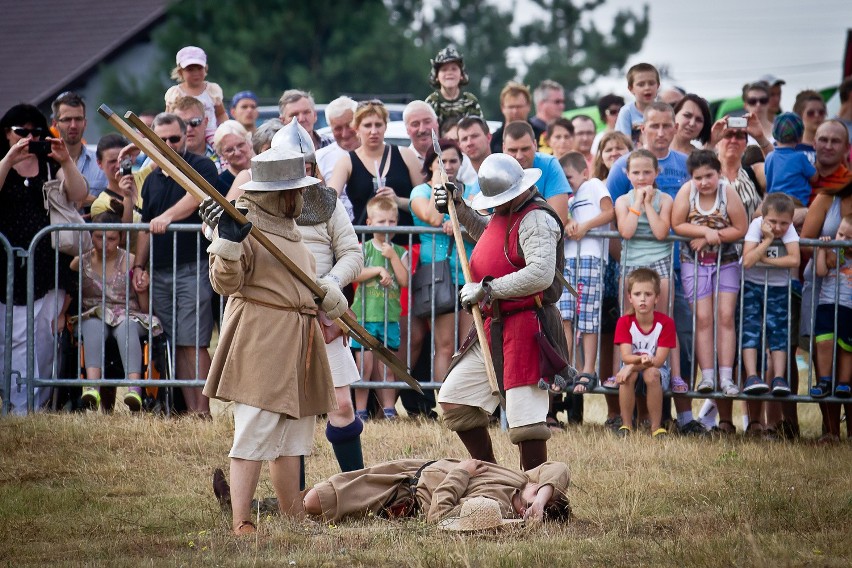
{"x":815,"y":112}
{"x":734,"y":134}
{"x":757,"y":101}
{"x":172,"y":139}
{"x":371,"y":102}
{"x":194,"y":122}
{"x":23,"y":132}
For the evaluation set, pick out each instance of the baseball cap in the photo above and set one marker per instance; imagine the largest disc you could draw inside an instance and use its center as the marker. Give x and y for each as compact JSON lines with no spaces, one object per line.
{"x":772,"y":80}
{"x":191,"y":55}
{"x":788,"y":128}
{"x":243,"y":95}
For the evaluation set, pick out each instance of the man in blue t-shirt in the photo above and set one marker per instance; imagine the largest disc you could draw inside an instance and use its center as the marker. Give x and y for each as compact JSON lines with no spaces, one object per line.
{"x":657,"y":133}
{"x":520,"y":143}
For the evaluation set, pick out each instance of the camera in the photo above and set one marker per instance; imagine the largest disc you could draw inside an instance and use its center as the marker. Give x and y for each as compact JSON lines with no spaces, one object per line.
{"x":126,"y":167}
{"x":39,"y":147}
{"x":737,"y":122}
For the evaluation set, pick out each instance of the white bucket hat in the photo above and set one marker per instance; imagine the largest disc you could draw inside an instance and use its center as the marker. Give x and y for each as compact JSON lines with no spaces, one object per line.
{"x":501,"y":179}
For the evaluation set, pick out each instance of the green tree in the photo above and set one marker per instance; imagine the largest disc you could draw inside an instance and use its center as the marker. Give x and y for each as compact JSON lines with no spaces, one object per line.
{"x":574,"y":53}
{"x":566,"y":50}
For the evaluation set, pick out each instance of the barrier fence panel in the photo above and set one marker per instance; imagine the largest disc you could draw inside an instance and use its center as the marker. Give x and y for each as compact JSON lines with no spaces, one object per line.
{"x":447,"y":333}
{"x":6,"y":386}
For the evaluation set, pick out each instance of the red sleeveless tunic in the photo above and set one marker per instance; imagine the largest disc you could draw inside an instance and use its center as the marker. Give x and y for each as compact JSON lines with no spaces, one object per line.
{"x":490,"y":258}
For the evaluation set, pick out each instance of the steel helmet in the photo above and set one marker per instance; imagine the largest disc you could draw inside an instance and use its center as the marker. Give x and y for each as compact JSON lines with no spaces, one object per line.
{"x":294,"y":138}
{"x":501,"y":179}
{"x":278,"y":169}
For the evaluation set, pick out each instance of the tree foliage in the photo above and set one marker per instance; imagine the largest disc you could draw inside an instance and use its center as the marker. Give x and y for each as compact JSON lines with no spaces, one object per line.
{"x":380,"y":47}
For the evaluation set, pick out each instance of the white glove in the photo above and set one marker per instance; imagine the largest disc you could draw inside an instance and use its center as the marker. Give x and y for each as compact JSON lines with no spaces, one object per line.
{"x":472,"y":293}
{"x":334,"y":304}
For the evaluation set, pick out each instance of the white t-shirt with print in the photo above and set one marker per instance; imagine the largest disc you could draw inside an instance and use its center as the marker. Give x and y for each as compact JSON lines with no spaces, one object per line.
{"x":774,"y":276}
{"x":583,"y":206}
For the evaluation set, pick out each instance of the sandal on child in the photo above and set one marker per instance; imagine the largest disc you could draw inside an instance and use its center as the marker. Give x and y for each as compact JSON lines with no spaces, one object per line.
{"x":730,"y":389}
{"x":843,"y":391}
{"x":555,"y":424}
{"x":661,"y":433}
{"x":705,"y":386}
{"x":821,"y":390}
{"x":679,"y":386}
{"x":586,"y":382}
{"x":725,"y":428}
{"x":611,"y":383}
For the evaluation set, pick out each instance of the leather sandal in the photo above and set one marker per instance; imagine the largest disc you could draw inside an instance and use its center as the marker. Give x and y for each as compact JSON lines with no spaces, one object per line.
{"x":586,"y":381}
{"x":245,"y":528}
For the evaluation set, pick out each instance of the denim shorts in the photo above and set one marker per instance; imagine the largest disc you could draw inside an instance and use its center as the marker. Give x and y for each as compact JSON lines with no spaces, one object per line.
{"x":776,"y":316}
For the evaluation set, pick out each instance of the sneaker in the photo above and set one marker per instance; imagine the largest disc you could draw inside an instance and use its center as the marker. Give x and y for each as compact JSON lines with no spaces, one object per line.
{"x":821,"y":390}
{"x":614,"y":423}
{"x":730,"y":389}
{"x":661,"y":433}
{"x":133,"y":400}
{"x":753,"y":385}
{"x":623,"y":432}
{"x":843,"y":391}
{"x":780,"y":387}
{"x":705,"y":386}
{"x":692,"y":428}
{"x":679,"y":386}
{"x":91,"y":398}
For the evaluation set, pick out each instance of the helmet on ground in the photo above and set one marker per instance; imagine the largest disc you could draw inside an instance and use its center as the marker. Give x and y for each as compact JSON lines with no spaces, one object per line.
{"x":501,"y":179}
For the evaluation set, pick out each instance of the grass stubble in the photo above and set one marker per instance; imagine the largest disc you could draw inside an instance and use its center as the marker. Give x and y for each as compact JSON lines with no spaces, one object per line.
{"x":123,"y":490}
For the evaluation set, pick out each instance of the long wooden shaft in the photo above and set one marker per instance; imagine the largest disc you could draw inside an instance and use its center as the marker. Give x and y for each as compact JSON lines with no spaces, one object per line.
{"x":195,"y":184}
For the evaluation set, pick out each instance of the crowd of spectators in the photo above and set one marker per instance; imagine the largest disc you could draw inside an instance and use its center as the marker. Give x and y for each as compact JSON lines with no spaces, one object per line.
{"x":659,"y":164}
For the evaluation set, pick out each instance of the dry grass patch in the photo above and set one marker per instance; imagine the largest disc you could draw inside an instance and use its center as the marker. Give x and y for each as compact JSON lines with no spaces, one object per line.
{"x":128,"y":491}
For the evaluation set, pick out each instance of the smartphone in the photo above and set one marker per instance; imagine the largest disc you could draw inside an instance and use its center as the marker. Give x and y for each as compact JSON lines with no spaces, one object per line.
{"x":736,"y":122}
{"x":126,"y":167}
{"x":39,"y":147}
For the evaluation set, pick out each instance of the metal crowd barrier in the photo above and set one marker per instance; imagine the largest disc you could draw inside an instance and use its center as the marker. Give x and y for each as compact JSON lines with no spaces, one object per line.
{"x":408,"y":349}
{"x":8,"y":372}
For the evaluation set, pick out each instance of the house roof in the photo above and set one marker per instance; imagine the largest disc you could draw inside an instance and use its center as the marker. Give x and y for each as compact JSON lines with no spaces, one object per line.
{"x":49,"y":44}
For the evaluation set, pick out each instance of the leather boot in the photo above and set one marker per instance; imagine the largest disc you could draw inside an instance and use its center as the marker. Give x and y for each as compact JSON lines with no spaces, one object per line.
{"x":478,"y":444}
{"x":533,"y":453}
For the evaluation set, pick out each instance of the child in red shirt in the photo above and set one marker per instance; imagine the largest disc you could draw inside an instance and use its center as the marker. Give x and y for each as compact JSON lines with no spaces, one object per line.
{"x":645,"y":336}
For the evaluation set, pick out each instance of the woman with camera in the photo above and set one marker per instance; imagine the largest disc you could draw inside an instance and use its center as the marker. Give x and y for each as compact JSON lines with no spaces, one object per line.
{"x":31,"y":158}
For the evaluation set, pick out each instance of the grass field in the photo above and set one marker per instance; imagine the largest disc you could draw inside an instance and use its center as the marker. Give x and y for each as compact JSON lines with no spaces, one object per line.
{"x":130,"y":491}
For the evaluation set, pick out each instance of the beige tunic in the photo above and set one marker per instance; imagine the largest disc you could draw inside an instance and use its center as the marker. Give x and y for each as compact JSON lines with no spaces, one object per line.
{"x":442,"y":489}
{"x":335,"y":246}
{"x":271,"y":353}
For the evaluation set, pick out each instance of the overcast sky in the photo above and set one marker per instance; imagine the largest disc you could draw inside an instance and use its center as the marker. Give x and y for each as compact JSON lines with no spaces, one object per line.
{"x":714,"y":47}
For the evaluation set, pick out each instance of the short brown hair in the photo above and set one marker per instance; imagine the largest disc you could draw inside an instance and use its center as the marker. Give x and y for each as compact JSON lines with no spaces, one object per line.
{"x":513,"y":88}
{"x":641,"y":68}
{"x":187,"y":103}
{"x":781,"y":203}
{"x":804,"y":97}
{"x":518,"y":129}
{"x":641,"y":276}
{"x":381,"y":203}
{"x":573,"y":160}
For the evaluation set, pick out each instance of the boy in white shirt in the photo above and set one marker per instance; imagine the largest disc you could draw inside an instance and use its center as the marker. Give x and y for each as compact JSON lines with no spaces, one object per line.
{"x":590,"y":211}
{"x":768,"y":270}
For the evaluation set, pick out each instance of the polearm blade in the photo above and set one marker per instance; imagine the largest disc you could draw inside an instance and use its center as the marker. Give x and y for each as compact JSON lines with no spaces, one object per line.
{"x":465,"y":266}
{"x":195,"y":184}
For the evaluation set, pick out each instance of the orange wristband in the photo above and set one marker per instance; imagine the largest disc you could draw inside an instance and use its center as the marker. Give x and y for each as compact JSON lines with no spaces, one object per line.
{"x":639,"y":213}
